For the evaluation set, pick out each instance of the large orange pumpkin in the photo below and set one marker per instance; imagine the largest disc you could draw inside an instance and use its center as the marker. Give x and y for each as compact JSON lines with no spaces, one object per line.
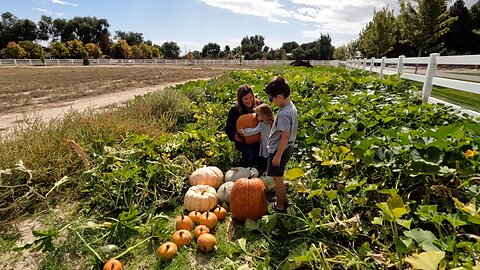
{"x":248,"y":199}
{"x":248,"y":120}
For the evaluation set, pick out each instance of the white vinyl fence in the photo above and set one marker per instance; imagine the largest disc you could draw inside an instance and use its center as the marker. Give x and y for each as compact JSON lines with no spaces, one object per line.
{"x":79,"y":62}
{"x":402,"y":66}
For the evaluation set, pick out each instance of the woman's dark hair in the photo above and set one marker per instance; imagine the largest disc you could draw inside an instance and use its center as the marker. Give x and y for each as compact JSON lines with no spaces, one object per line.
{"x":278,"y":86}
{"x":242,"y":91}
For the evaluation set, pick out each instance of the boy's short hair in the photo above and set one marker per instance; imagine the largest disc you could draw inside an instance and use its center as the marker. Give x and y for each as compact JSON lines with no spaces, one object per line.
{"x":278,"y":86}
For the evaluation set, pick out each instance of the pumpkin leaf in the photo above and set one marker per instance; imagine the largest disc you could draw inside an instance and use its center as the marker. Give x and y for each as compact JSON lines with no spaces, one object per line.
{"x":294,"y":173}
{"x":423,"y":238}
{"x":242,"y":244}
{"x":426,"y":260}
{"x":405,"y":223}
{"x":252,"y":225}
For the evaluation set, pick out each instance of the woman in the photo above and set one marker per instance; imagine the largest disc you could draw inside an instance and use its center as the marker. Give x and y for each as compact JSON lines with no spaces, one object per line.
{"x":246,"y":101}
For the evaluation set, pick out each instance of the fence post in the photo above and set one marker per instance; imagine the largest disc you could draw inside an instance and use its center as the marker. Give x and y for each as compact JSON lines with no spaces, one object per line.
{"x":400,"y":65}
{"x":15,"y":61}
{"x":372,"y":64}
{"x":364,"y":63}
{"x":382,"y":66}
{"x":431,"y":69}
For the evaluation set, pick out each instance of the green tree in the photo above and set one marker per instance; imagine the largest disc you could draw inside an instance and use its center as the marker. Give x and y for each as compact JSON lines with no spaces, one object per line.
{"x":379,"y":36}
{"x":340,"y":53}
{"x":14,"y":50}
{"x":458,"y":40}
{"x":32,"y":50}
{"x":475,"y":20}
{"x":424,"y":23}
{"x":290,"y":46}
{"x":325,"y":48}
{"x":93,"y":50}
{"x":298,"y":53}
{"x":132,"y":38}
{"x":76,"y":50}
{"x":14,"y":29}
{"x":58,"y":50}
{"x":45,"y":28}
{"x":170,"y":50}
{"x":253,"y":45}
{"x":211,"y":50}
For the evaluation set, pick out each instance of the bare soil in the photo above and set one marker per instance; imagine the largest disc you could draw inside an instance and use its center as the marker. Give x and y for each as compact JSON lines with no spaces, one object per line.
{"x":49,"y":92}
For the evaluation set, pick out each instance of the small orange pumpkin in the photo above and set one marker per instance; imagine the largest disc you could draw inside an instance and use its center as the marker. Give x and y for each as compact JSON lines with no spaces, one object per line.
{"x":194,"y":216}
{"x":112,"y":264}
{"x":220,"y":212}
{"x":248,"y":120}
{"x":206,"y":242}
{"x":208,"y":219}
{"x":199,"y":230}
{"x":167,"y":250}
{"x":248,"y":199}
{"x":182,"y":238}
{"x":183,"y":222}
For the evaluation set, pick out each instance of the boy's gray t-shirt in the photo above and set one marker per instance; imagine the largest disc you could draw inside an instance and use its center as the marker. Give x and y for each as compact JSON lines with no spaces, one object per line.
{"x":286,"y":120}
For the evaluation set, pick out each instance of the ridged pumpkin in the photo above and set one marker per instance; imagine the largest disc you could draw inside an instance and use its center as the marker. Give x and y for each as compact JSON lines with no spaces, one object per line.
{"x":240,"y":172}
{"x":208,"y":219}
{"x":210,"y":175}
{"x":248,"y":120}
{"x":199,"y":230}
{"x":112,"y":264}
{"x":206,"y":242}
{"x":224,"y":191}
{"x":182,"y":238}
{"x":167,"y":250}
{"x":248,"y":199}
{"x":200,"y":198}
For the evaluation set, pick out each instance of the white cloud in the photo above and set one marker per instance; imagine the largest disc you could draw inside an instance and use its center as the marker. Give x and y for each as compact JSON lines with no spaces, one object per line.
{"x":64,"y":3}
{"x":43,"y":10}
{"x":271,"y":10}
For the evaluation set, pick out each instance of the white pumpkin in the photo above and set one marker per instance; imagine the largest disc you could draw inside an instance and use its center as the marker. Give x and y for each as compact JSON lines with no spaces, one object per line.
{"x":210,"y":175}
{"x":240,"y":172}
{"x":268,"y":181}
{"x":200,"y":198}
{"x":224,"y":191}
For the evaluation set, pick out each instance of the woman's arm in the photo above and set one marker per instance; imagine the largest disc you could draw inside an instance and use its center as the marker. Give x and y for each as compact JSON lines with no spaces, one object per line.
{"x":231,"y":127}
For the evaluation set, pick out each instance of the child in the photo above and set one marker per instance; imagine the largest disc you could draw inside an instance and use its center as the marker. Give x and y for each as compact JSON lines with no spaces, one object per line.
{"x":265,"y":117}
{"x":282,"y":137}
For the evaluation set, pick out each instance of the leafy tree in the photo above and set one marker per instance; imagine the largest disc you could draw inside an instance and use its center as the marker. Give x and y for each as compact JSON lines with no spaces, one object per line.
{"x":156,"y":51}
{"x":290,"y":46}
{"x":325,"y":47}
{"x":298,"y":53}
{"x":14,"y":50}
{"x":76,"y":50}
{"x":475,"y":20}
{"x":458,"y":40}
{"x":13,"y":29}
{"x":424,"y":24}
{"x":121,"y":50}
{"x":379,"y":37}
{"x":32,"y":50}
{"x":93,"y":50}
{"x":340,"y":53}
{"x":45,"y":28}
{"x":253,"y":45}
{"x":59,"y":31}
{"x":132,"y":38}
{"x":58,"y":50}
{"x":281,"y":54}
{"x":211,"y":50}
{"x":170,"y":50}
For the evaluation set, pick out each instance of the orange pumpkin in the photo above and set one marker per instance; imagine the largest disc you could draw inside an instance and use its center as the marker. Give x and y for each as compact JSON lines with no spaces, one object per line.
{"x":167,"y":250}
{"x":183,"y":222}
{"x":182,"y":238}
{"x":248,"y":120}
{"x":248,"y":199}
{"x":220,"y":212}
{"x":206,"y":242}
{"x":199,"y":230}
{"x":208,"y":219}
{"x":112,"y":264}
{"x":194,"y":215}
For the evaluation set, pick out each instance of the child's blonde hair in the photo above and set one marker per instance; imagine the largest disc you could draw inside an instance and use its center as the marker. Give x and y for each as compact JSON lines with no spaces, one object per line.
{"x":266,"y":111}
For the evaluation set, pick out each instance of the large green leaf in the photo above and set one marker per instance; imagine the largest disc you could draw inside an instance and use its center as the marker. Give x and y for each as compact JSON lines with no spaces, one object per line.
{"x":423,"y":238}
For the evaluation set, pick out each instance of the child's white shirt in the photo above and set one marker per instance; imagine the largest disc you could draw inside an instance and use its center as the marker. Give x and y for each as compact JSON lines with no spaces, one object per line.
{"x":264,"y":131}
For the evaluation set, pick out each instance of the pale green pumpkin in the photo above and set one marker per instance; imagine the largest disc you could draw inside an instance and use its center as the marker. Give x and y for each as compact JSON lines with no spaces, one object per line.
{"x":240,"y":172}
{"x":224,"y":191}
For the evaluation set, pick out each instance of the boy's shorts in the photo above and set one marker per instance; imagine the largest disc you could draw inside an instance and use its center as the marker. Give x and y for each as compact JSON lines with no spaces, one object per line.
{"x":278,"y":171}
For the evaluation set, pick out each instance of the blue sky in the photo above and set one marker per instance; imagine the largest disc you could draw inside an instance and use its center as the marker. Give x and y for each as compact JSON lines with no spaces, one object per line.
{"x":194,"y":23}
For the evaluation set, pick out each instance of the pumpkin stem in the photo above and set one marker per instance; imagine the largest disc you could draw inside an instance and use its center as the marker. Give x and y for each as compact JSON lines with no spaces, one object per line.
{"x":252,"y":175}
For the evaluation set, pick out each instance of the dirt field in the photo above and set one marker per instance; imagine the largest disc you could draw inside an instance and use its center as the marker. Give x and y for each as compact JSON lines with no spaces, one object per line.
{"x":50,"y":91}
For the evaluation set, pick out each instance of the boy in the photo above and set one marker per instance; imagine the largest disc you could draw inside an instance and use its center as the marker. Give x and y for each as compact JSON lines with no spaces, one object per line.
{"x":282,"y":137}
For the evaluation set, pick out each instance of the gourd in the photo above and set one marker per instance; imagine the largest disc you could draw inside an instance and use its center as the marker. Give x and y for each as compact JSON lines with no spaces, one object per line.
{"x":194,"y":216}
{"x":206,"y":242}
{"x":248,"y":120}
{"x":268,"y":182}
{"x":224,"y":191}
{"x":199,"y":230}
{"x":183,"y":223}
{"x":220,"y":212}
{"x":200,"y":198}
{"x":248,"y":199}
{"x":208,"y":219}
{"x":240,"y":172}
{"x":112,"y":264}
{"x":167,"y":250}
{"x":210,"y":175}
{"x":182,"y":238}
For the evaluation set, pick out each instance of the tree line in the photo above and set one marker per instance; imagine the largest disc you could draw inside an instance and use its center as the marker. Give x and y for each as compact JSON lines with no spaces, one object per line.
{"x":422,"y":27}
{"x":89,"y":37}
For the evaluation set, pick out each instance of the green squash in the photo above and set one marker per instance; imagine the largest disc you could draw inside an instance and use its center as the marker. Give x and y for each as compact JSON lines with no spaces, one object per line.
{"x":224,"y":191}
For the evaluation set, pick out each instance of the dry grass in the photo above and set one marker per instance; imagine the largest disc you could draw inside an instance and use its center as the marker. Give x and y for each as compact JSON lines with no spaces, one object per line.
{"x":34,"y":86}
